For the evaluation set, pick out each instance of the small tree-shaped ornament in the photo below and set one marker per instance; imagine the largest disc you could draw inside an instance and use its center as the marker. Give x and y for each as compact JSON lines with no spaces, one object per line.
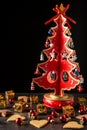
{"x":60,"y":69}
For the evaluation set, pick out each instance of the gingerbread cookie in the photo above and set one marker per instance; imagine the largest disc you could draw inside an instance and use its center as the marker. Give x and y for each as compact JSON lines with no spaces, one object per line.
{"x":38,"y":123}
{"x":80,"y":116}
{"x":5,"y":112}
{"x":14,"y":117}
{"x":73,"y":125}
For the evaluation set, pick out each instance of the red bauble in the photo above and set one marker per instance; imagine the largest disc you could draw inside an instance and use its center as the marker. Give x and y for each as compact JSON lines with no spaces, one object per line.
{"x":64,"y":118}
{"x":49,"y":118}
{"x":80,"y":88}
{"x":32,"y":86}
{"x":33,"y":115}
{"x":82,"y":110}
{"x":53,"y":114}
{"x":83,"y":120}
{"x":18,"y":121}
{"x":31,"y":110}
{"x":11,"y":101}
{"x":61,"y":118}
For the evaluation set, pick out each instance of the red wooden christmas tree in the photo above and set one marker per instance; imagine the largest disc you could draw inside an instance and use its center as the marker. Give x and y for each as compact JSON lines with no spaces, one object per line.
{"x":61,"y":71}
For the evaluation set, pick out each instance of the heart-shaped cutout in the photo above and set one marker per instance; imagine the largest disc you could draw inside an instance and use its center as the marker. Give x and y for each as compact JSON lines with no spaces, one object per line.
{"x":39,"y":123}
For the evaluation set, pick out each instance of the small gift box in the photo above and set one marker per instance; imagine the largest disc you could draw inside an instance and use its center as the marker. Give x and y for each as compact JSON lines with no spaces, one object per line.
{"x":20,"y":106}
{"x":2,"y":103}
{"x":24,"y":98}
{"x":9,"y":94}
{"x":69,"y":110}
{"x":82,"y":101}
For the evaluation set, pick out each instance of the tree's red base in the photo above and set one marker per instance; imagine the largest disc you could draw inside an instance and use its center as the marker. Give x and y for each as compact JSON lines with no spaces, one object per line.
{"x":56,"y":102}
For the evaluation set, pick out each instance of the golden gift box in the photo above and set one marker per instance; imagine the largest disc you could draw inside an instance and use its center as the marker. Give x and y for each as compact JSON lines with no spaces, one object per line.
{"x":19,"y":106}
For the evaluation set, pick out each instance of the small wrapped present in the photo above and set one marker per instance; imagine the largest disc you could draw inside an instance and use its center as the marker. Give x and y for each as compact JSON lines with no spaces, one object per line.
{"x":41,"y":108}
{"x":82,"y":101}
{"x":9,"y":95}
{"x":24,"y":98}
{"x":2,"y":103}
{"x":1,"y":97}
{"x":69,"y":110}
{"x":20,"y":106}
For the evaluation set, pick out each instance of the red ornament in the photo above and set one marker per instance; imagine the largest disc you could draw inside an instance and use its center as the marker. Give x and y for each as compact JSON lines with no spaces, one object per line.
{"x":18,"y":121}
{"x":82,"y":110}
{"x":31,"y":110}
{"x":37,"y":72}
{"x":61,"y":118}
{"x":53,"y":114}
{"x":32,"y":86}
{"x":49,"y":118}
{"x":33,"y":114}
{"x":11,"y":101}
{"x":80,"y":88}
{"x":83,"y":120}
{"x":64,"y":118}
{"x":65,"y":115}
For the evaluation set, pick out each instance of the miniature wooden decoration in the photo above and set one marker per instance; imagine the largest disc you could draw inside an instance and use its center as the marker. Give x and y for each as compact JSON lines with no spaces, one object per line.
{"x":60,"y":71}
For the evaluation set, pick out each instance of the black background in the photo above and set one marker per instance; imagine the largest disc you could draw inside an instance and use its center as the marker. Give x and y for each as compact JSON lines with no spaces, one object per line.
{"x":23,"y":36}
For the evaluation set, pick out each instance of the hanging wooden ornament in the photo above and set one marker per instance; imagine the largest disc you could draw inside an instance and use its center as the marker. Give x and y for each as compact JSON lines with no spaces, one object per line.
{"x":80,"y":88}
{"x":37,"y":71}
{"x":41,"y":56}
{"x":32,"y":86}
